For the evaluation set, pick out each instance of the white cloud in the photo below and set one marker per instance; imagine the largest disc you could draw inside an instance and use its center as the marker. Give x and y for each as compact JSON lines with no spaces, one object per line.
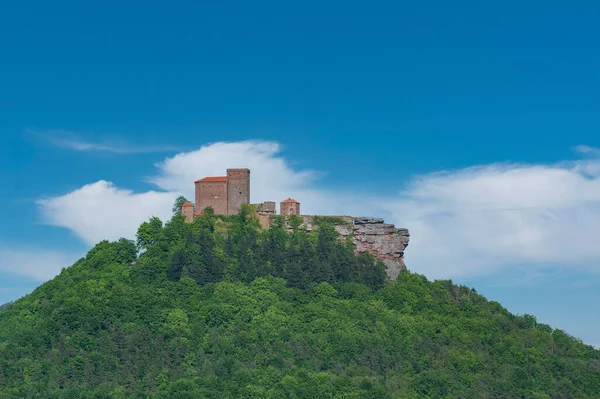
{"x":101,"y":211}
{"x":464,"y":222}
{"x":481,"y":219}
{"x":586,"y":149}
{"x":273,"y":179}
{"x":73,"y":141}
{"x":38,"y":264}
{"x":269,"y":172}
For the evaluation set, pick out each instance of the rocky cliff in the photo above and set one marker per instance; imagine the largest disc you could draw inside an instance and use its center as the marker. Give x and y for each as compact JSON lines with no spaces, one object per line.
{"x":384,"y":241}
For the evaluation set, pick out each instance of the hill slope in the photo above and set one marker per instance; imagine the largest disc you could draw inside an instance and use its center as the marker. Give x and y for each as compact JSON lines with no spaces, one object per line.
{"x":204,"y":313}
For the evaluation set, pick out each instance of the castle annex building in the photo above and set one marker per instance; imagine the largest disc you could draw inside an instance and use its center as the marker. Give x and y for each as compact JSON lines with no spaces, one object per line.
{"x":289,"y":207}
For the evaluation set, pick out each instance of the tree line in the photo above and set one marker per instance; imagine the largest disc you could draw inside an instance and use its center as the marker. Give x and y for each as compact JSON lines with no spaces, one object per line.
{"x":234,"y":248}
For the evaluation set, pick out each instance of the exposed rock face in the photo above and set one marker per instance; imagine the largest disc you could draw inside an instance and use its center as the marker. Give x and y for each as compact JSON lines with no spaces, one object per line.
{"x":373,"y":235}
{"x":383,"y":241}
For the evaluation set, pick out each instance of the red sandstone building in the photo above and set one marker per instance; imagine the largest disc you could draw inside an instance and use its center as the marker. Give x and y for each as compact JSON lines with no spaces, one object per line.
{"x":289,"y":207}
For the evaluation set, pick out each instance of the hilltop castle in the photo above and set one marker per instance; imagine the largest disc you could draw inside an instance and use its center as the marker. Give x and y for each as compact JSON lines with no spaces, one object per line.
{"x":226,"y":195}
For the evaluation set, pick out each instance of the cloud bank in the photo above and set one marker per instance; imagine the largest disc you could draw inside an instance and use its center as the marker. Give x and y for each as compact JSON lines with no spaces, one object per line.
{"x":100,"y":211}
{"x":481,"y":219}
{"x":463,"y":222}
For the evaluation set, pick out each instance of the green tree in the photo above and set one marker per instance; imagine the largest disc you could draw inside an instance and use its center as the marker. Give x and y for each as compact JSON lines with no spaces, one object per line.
{"x":208,"y":211}
{"x":274,"y":248}
{"x":213,"y":271}
{"x":178,"y":262}
{"x":295,"y":276}
{"x":178,"y":204}
{"x":177,"y":324}
{"x":149,"y":233}
{"x":326,"y":242}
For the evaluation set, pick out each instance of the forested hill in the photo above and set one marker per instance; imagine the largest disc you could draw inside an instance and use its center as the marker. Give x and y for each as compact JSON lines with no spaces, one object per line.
{"x":221,"y":309}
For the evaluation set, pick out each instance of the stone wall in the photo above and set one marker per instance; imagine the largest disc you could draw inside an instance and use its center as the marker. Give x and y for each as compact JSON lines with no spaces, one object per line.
{"x":383,"y":241}
{"x":212,"y":193}
{"x":267,"y":206}
{"x":238,"y":189}
{"x":264,"y":219}
{"x":187,"y":210}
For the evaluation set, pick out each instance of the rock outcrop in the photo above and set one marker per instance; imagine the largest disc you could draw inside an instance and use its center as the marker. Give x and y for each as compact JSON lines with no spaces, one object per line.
{"x":383,"y":241}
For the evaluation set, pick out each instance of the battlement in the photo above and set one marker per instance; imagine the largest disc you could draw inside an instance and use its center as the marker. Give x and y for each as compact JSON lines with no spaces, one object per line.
{"x":240,"y":173}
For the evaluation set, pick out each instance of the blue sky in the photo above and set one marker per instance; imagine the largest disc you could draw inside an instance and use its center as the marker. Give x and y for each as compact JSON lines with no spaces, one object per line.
{"x":473,"y":124}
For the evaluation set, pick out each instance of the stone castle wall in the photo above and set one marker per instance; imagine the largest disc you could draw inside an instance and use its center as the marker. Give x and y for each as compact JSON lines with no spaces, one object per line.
{"x":188,"y":213}
{"x":267,"y":206}
{"x":238,"y":189}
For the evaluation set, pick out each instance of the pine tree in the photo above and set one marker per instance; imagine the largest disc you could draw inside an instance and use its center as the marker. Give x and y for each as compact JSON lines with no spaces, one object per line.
{"x":275,"y":245}
{"x":322,"y":270}
{"x":193,"y":269}
{"x":295,"y":276}
{"x":373,"y":273}
{"x":175,"y":268}
{"x":178,"y":204}
{"x":212,"y":271}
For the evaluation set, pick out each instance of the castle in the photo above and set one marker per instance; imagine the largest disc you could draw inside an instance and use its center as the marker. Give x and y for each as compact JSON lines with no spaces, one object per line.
{"x":226,"y":195}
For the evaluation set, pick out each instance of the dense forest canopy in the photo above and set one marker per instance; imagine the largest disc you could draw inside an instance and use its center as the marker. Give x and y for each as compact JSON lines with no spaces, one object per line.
{"x":219,"y":308}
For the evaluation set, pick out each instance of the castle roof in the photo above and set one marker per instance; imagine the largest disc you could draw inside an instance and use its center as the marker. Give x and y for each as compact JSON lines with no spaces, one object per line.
{"x":186,"y":205}
{"x":212,"y":179}
{"x":290,"y":201}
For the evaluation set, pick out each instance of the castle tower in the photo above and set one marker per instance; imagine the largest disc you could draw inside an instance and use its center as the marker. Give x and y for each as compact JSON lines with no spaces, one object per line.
{"x":212,"y":191}
{"x":289,"y":207}
{"x":238,"y":189}
{"x":187,"y":210}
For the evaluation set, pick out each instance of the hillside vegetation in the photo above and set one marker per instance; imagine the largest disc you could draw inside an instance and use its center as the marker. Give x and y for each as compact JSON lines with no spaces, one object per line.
{"x":221,"y":309}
